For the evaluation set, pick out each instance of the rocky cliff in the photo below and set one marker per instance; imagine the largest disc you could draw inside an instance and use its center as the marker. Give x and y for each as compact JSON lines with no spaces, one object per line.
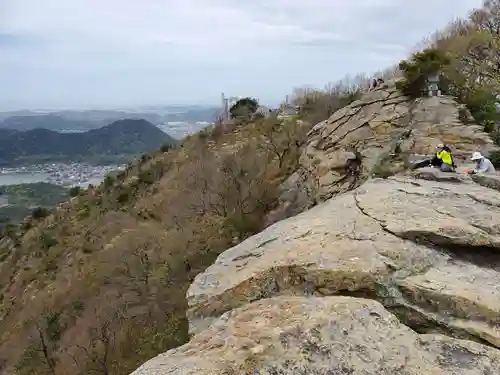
{"x":382,"y":130}
{"x":394,"y":275}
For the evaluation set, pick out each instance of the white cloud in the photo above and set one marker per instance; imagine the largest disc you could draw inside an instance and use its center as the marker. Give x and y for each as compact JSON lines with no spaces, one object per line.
{"x":90,"y":52}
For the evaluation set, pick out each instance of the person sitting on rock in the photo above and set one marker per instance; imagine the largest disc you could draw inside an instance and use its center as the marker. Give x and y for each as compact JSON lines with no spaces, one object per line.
{"x":483,"y":164}
{"x":443,"y":159}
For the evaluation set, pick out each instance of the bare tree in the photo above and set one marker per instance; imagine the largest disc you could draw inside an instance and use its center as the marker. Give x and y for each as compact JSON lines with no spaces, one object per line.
{"x":46,"y":349}
{"x":281,"y":137}
{"x":244,"y":189}
{"x":138,"y":269}
{"x":96,"y":355}
{"x":317,"y":105}
{"x":41,"y":354}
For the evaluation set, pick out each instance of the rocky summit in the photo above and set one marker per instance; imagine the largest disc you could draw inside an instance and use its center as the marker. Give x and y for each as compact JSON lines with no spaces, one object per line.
{"x":394,"y":275}
{"x":382,"y":130}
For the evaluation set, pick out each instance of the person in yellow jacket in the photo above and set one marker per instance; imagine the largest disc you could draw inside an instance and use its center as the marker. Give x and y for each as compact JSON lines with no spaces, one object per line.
{"x":443,"y":159}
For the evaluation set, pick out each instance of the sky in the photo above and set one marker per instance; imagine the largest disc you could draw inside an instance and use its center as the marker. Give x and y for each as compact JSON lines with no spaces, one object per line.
{"x":114,"y":53}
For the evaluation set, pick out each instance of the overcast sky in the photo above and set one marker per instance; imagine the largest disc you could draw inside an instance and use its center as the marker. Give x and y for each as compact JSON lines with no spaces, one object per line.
{"x":84,"y":53}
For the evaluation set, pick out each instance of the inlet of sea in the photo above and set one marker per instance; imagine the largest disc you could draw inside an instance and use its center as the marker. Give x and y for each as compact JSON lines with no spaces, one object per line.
{"x":15,"y":178}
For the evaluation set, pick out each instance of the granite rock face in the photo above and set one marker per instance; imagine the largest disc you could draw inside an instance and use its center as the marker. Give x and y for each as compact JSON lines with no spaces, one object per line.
{"x":382,"y":128}
{"x":428,"y":250}
{"x":397,"y":275}
{"x":320,"y":336}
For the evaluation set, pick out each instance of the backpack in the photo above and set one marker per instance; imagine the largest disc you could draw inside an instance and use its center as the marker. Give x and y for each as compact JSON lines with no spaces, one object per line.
{"x":446,"y":148}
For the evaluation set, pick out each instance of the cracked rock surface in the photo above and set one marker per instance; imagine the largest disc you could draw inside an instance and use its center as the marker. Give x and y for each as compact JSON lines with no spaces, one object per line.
{"x":400,"y":276}
{"x":373,"y":126}
{"x":320,"y":336}
{"x":429,"y":251}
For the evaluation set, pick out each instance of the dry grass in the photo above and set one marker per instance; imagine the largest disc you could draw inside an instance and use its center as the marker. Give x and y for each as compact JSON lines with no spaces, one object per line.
{"x":99,"y":285}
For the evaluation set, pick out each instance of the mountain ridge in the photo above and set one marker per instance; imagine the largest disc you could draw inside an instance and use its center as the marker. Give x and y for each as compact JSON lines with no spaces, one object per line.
{"x":92,"y":119}
{"x":119,"y":138}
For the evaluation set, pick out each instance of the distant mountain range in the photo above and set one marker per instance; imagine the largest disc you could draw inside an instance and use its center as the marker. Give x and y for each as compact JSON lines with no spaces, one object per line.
{"x":93,"y":119}
{"x":122,"y":137}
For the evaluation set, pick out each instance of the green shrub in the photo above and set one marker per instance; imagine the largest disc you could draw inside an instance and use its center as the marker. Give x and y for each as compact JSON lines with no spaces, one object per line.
{"x":481,"y":103}
{"x":40,"y":213}
{"x":147,"y":177}
{"x":382,"y":171}
{"x":123,"y":197}
{"x":495,"y":158}
{"x":108,"y":181}
{"x":9,"y":230}
{"x":74,"y":191}
{"x":244,"y":108}
{"x":166,"y":147}
{"x":418,"y":69}
{"x":47,"y":241}
{"x":84,"y":212}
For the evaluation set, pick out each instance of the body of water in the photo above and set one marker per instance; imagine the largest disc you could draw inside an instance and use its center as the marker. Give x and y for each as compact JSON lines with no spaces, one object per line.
{"x":22,"y":178}
{"x":31,"y":178}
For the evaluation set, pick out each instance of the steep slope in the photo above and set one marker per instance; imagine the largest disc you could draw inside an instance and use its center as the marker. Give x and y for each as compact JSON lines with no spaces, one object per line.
{"x":120,"y":137}
{"x":101,"y":282}
{"x":383,"y":275}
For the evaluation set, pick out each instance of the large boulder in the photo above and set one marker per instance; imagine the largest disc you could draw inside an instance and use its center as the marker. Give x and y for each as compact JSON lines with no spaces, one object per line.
{"x":428,"y":250}
{"x":320,"y":336}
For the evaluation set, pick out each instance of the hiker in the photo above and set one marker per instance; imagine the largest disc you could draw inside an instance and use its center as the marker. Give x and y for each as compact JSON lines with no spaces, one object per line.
{"x":483,"y":164}
{"x":442,"y":160}
{"x":374,"y":84}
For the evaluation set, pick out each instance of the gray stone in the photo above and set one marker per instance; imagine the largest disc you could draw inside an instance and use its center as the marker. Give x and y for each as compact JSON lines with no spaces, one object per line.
{"x":372,"y":124}
{"x":380,"y":240}
{"x":320,"y":336}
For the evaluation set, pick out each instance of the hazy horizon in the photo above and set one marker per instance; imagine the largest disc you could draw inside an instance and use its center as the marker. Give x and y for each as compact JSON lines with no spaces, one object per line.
{"x":125,"y":53}
{"x":103,"y":108}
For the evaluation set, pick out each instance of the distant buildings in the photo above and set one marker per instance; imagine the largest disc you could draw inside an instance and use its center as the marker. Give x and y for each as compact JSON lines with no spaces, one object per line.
{"x":77,"y":174}
{"x":73,"y":174}
{"x":287,"y":110}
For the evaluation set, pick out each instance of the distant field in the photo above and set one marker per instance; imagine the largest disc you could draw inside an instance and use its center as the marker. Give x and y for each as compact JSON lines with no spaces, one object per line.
{"x":23,"y":198}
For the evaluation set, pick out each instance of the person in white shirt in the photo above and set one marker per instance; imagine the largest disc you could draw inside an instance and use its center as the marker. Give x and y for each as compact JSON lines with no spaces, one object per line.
{"x":483,"y":164}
